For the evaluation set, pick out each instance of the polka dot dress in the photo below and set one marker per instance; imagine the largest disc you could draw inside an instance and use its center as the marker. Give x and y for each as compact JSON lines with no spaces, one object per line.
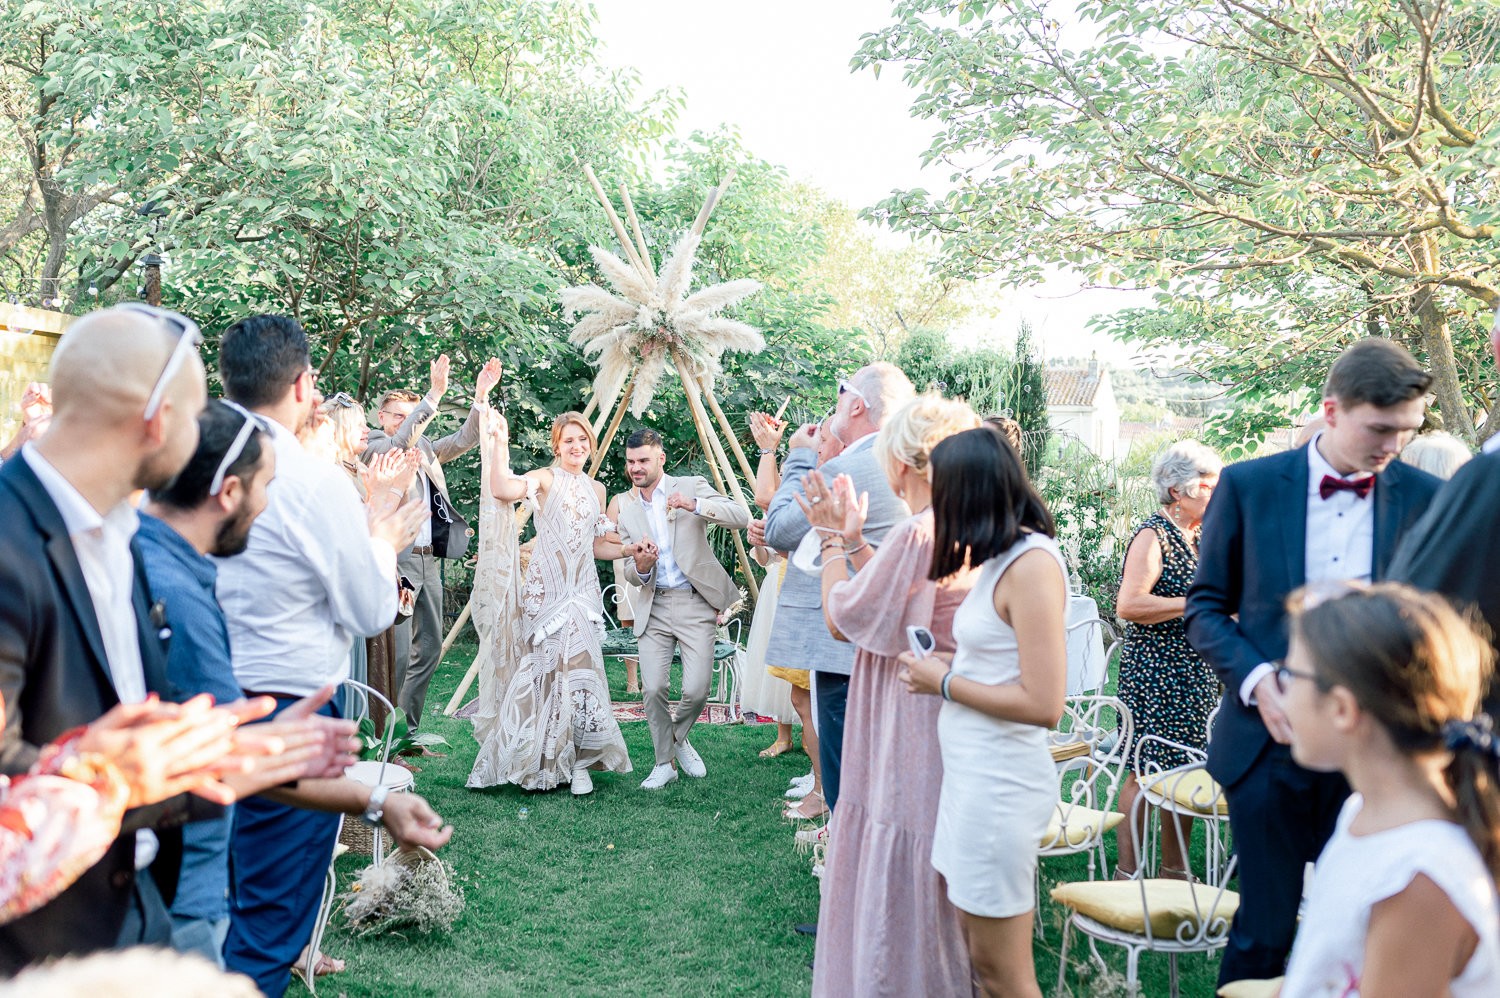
{"x":1169,"y":689}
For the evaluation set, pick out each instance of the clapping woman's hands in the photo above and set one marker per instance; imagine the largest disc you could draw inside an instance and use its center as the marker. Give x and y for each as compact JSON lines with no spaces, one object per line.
{"x":766,"y":430}
{"x":836,"y":509}
{"x":389,"y":476}
{"x":924,"y":675}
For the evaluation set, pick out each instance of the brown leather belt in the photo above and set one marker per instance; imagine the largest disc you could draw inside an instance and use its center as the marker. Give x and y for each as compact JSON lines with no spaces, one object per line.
{"x":422,"y":550}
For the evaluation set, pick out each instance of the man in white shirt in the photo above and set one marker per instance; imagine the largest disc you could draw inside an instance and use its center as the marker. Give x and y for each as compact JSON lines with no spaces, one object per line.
{"x":682,"y":588}
{"x":312,"y":580}
{"x":1331,"y":511}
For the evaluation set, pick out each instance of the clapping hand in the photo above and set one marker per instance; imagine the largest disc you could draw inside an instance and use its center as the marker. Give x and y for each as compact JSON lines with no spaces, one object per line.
{"x":439,"y":377}
{"x":679,"y":501}
{"x":489,"y":377}
{"x":806,"y":436}
{"x":36,"y":402}
{"x":835,"y":510}
{"x":924,"y":675}
{"x":757,"y":533}
{"x":388,"y":477}
{"x":166,"y":749}
{"x":766,"y":430}
{"x":398,"y":525}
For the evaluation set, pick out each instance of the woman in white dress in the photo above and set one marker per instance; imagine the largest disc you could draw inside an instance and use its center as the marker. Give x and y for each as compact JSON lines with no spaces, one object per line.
{"x":544,"y":716}
{"x":1004,"y":688}
{"x":1384,"y":684}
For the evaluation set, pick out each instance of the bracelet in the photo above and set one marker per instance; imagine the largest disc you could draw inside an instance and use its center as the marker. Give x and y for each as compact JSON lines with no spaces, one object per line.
{"x":767,"y":453}
{"x":947,"y":678}
{"x":830,"y":545}
{"x":852,"y":551}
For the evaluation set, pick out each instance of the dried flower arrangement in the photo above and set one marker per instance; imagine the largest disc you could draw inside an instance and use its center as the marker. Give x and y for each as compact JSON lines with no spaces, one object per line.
{"x":412,"y":890}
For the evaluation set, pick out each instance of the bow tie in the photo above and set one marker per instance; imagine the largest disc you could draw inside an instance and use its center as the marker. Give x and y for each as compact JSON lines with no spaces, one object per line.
{"x":1360,"y":487}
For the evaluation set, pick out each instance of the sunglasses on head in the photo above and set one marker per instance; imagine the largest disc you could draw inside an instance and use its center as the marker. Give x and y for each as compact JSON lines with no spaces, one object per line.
{"x":188,"y":339}
{"x":343,"y":400}
{"x":846,"y":386}
{"x":241,"y":439}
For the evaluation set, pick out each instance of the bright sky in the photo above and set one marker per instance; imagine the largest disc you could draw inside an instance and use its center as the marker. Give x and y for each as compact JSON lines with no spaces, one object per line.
{"x":778,"y":70}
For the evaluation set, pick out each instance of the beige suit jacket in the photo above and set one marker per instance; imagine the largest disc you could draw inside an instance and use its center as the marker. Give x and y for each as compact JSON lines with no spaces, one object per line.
{"x":690,"y":547}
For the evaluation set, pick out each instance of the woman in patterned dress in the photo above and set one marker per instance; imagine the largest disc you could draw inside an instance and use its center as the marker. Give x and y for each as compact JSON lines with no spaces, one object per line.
{"x":544,"y":716}
{"x":1168,"y":687}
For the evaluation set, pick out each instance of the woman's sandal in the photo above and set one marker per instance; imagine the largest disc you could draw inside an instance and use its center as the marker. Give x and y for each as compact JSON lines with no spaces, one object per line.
{"x":774,"y":749}
{"x":322,"y":967}
{"x":1173,"y":873}
{"x":797,"y":814}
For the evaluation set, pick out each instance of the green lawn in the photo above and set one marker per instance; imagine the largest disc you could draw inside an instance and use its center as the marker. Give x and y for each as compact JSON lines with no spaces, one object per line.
{"x":697,"y":895}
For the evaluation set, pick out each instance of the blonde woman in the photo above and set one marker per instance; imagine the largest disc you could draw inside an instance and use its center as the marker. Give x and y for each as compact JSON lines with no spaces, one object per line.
{"x":550,"y":721}
{"x":885,"y":925}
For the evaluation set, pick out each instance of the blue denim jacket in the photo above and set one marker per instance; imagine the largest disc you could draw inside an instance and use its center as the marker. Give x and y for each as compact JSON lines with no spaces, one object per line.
{"x":182,"y":584}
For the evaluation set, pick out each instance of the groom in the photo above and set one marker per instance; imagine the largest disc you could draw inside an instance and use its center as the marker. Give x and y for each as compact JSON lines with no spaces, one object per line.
{"x":682,"y":589}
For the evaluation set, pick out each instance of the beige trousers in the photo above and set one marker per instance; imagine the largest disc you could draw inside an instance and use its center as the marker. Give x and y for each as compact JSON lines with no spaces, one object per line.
{"x":680,"y":620}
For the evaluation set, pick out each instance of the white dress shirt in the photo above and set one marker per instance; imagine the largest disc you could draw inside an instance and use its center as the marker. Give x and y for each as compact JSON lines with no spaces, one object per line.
{"x":102,"y":544}
{"x":668,"y":575}
{"x":1340,"y":544}
{"x":311,"y":581}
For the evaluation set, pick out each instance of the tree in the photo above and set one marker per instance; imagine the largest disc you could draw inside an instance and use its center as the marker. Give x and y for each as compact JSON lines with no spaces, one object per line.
{"x":1026,"y":399}
{"x":1290,"y":174}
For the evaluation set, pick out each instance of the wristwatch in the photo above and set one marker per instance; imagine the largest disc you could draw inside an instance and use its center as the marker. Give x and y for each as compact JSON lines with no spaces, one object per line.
{"x":375,"y":810}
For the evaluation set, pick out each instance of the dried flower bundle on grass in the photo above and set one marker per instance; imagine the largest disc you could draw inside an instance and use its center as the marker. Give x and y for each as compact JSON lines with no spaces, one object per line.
{"x":410,"y":891}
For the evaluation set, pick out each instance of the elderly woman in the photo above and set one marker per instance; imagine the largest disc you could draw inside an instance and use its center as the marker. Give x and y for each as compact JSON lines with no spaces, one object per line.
{"x":1169,"y":689}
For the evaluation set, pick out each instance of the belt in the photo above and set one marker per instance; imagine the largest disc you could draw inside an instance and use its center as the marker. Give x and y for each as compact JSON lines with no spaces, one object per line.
{"x":686,"y":587}
{"x":273,"y":693}
{"x":422,"y":550}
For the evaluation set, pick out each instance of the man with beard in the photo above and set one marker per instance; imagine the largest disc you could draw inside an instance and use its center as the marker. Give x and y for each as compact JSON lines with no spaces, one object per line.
{"x":318,"y":573}
{"x":208,"y":511}
{"x":682,"y":590}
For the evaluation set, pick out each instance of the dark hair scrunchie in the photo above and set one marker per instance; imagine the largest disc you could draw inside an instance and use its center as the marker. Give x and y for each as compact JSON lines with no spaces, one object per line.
{"x":1477,"y":735}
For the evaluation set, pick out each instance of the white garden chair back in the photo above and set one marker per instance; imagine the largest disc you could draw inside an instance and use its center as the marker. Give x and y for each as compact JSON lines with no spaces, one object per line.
{"x":1163,"y":916}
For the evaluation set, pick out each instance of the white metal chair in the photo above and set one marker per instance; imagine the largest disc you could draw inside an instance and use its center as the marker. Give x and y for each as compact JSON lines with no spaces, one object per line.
{"x":1163,"y":916}
{"x":1196,"y":796}
{"x":728,"y":671}
{"x":1090,"y":745}
{"x":374,"y":773}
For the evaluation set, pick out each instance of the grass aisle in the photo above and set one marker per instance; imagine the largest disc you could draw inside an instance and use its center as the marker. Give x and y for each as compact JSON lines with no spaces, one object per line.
{"x":698,"y":895}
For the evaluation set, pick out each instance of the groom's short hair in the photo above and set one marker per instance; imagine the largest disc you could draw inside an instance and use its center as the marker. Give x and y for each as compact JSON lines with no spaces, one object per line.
{"x":644,"y":438}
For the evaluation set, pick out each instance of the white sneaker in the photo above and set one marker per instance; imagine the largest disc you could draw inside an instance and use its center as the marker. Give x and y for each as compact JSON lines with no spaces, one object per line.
{"x":690,"y":761}
{"x":660,"y":777}
{"x":583,"y":783}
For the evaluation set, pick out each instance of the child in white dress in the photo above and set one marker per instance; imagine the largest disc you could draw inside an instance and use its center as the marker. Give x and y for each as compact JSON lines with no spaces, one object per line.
{"x":1384,"y":683}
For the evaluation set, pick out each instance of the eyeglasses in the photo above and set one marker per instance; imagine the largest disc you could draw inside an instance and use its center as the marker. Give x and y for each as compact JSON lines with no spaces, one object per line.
{"x":846,"y":386}
{"x":241,"y":439}
{"x":1285,"y":674}
{"x":343,"y":400}
{"x":188,"y":339}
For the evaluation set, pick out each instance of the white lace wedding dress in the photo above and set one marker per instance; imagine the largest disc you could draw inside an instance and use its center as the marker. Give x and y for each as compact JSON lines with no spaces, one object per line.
{"x":543,"y":707}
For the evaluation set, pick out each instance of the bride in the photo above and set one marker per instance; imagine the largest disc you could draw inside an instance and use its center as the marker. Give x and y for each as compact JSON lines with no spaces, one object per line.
{"x":543,"y":715}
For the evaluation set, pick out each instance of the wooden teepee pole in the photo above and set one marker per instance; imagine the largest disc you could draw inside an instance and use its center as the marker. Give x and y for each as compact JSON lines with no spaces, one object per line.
{"x":734,"y":442}
{"x":707,"y":439}
{"x":614,"y":220}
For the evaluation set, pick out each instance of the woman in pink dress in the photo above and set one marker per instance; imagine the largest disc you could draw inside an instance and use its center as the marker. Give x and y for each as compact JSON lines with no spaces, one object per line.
{"x":885,"y":926}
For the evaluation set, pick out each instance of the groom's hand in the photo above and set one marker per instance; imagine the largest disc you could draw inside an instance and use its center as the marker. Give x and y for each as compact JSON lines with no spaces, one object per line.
{"x":679,"y":501}
{"x":645,"y":556}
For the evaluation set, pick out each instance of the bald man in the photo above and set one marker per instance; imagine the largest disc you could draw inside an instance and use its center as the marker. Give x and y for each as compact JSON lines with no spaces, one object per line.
{"x":76,"y":631}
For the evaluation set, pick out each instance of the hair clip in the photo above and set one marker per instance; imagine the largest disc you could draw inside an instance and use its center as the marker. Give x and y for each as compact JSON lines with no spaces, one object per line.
{"x":1477,"y":735}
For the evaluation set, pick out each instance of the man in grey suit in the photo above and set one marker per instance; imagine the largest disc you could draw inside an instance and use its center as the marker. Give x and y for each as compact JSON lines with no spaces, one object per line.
{"x":403,"y":415}
{"x":799,"y":636}
{"x":682,"y":588}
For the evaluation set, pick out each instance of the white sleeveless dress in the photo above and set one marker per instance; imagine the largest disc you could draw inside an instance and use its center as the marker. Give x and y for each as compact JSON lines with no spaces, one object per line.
{"x":1356,"y":872}
{"x":999,"y":781}
{"x":762,"y":693}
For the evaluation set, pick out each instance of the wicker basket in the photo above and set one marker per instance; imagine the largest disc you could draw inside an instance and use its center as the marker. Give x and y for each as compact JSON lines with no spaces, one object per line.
{"x":358,"y":836}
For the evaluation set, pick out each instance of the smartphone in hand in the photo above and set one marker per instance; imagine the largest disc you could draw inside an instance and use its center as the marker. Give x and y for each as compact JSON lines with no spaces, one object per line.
{"x":922,"y":643}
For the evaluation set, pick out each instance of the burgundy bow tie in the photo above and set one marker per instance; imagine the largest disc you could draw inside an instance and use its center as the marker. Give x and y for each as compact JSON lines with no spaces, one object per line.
{"x":1360,"y":487}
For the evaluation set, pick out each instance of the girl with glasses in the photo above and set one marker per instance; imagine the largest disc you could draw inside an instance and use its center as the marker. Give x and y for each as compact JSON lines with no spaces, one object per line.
{"x":1384,"y":683}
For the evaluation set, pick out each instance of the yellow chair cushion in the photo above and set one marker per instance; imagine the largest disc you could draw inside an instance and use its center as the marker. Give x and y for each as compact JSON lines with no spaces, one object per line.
{"x":1063,"y":751}
{"x":1251,"y":989}
{"x":1194,"y":791}
{"x":1117,"y":904}
{"x":1085,"y":825}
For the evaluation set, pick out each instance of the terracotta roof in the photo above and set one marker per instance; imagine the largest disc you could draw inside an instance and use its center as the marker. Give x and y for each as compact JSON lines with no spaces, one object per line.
{"x":1071,"y":386}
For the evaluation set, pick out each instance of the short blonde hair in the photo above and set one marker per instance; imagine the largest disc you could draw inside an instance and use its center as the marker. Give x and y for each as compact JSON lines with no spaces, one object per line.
{"x":909,"y":434}
{"x":562,"y":422}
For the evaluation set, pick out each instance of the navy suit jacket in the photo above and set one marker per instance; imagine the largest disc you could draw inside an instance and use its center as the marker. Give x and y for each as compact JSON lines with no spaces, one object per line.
{"x":1252,"y":554}
{"x":54,"y":676}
